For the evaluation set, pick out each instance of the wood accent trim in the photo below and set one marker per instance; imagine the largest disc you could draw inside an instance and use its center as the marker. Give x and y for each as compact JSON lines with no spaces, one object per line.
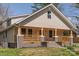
{"x":55,"y":32}
{"x":71,"y":34}
{"x":42,"y":32}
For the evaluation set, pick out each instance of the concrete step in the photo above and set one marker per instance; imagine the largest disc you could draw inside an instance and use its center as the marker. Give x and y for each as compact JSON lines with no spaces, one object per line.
{"x":53,"y":44}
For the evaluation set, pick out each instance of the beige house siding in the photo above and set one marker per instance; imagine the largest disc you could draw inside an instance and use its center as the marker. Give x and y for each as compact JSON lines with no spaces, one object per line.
{"x":10,"y":37}
{"x":1,"y":39}
{"x":43,"y":21}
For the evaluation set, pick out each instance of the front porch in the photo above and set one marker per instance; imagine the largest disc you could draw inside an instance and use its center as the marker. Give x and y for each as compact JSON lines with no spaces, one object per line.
{"x":35,"y":36}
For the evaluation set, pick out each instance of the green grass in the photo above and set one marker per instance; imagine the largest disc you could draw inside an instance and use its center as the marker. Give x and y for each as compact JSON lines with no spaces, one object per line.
{"x":35,"y":52}
{"x":75,"y":48}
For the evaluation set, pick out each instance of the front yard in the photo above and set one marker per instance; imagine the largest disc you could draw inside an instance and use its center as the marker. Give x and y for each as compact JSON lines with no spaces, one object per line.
{"x":41,"y":51}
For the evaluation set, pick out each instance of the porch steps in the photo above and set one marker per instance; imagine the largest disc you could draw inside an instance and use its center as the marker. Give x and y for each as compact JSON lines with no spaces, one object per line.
{"x":53,"y":44}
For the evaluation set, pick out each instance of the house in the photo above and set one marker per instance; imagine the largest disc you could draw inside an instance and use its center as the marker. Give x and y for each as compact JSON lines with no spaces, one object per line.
{"x":47,"y":27}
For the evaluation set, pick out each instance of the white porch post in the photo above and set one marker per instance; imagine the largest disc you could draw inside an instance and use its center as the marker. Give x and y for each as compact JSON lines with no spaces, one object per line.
{"x":19,"y":31}
{"x":42,"y":35}
{"x":56,"y":37}
{"x":42,"y":32}
{"x":71,"y":38}
{"x":19,"y":38}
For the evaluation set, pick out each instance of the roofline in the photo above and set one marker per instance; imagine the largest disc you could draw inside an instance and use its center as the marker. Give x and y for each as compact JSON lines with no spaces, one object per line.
{"x":14,"y":17}
{"x":65,"y":19}
{"x":19,"y":16}
{"x":34,"y":13}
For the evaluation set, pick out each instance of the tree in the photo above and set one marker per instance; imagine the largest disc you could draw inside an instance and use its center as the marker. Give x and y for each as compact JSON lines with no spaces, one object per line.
{"x":4,"y":10}
{"x":76,"y":5}
{"x":37,"y":6}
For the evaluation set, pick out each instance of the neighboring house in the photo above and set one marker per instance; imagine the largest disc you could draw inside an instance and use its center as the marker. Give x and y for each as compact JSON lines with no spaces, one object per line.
{"x":47,"y":27}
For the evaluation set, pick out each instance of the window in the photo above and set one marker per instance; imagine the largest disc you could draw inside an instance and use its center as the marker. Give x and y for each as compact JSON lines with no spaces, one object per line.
{"x":30,"y":31}
{"x":23,"y":31}
{"x":8,"y":22}
{"x":66,"y":33}
{"x":50,"y":33}
{"x":49,"y":14}
{"x":39,"y":32}
{"x":77,"y":26}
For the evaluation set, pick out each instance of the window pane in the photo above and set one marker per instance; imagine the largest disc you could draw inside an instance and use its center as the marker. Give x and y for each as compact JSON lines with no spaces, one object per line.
{"x":49,"y":14}
{"x":30,"y":31}
{"x":66,"y":33}
{"x":23,"y":31}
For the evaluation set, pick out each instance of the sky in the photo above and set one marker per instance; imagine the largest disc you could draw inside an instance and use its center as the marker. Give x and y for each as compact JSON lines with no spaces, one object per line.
{"x":25,"y":8}
{"x":67,"y":9}
{"x":20,"y":8}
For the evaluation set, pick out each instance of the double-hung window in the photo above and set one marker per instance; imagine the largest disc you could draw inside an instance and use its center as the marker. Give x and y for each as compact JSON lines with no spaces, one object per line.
{"x":49,"y":15}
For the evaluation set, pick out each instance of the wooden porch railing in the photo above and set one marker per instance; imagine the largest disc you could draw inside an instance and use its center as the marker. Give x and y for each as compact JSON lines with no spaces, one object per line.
{"x":64,"y":38}
{"x":31,"y":38}
{"x":37,"y":38}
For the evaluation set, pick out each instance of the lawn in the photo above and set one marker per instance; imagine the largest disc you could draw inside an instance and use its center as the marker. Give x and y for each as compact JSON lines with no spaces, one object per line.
{"x":35,"y":52}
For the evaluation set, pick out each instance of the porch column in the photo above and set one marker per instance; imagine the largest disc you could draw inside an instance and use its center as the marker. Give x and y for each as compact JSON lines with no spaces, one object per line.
{"x":42,"y":32}
{"x":19,"y":31}
{"x":71,"y":38}
{"x":56,"y":37}
{"x":19,"y":38}
{"x":42,"y":35}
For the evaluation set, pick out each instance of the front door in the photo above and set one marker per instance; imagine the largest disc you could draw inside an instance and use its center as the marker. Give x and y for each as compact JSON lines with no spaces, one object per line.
{"x":50,"y":33}
{"x":44,"y":44}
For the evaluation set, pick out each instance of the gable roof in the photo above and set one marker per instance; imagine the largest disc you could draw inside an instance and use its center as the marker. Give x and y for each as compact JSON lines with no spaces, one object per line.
{"x":15,"y":17}
{"x":63,"y":18}
{"x":19,"y":16}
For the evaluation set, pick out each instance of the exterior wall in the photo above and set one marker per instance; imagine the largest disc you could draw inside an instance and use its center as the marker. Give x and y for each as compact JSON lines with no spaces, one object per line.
{"x":36,"y":34}
{"x":76,"y":38}
{"x":35,"y":41}
{"x":10,"y":37}
{"x":1,"y":40}
{"x":32,"y":44}
{"x":7,"y":38}
{"x":41,"y":20}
